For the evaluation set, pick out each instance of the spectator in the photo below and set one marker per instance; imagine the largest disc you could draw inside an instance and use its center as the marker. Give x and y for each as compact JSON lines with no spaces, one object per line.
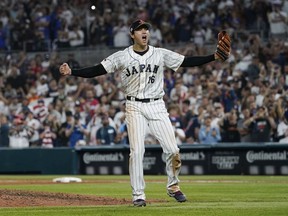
{"x":169,"y":81}
{"x":186,"y":113}
{"x":207,"y":134}
{"x":263,"y":91}
{"x":121,"y":38}
{"x":4,"y":37}
{"x":284,"y":140}
{"x":281,"y":110}
{"x":42,"y":86}
{"x":14,"y":105}
{"x":53,"y":89}
{"x":90,"y":102}
{"x":120,"y":115}
{"x":45,"y":63}
{"x":98,"y":32}
{"x":190,"y":75}
{"x":198,"y":36}
{"x":156,"y":36}
{"x":76,"y":36}
{"x":142,"y":13}
{"x":277,"y":19}
{"x":34,"y":125}
{"x":179,"y":132}
{"x":14,"y":78}
{"x":261,"y":126}
{"x":78,"y":110}
{"x":245,"y":133}
{"x":47,"y":136}
{"x":123,"y":132}
{"x":42,"y":22}
{"x":192,"y":130}
{"x":30,"y":80}
{"x":62,"y":40}
{"x":62,"y":139}
{"x":19,"y":133}
{"x":228,"y":97}
{"x":229,"y":129}
{"x":76,"y":131}
{"x":95,"y":123}
{"x":32,"y":96}
{"x":35,"y":66}
{"x":182,"y":29}
{"x":193,"y":127}
{"x":217,"y":114}
{"x":4,"y":109}
{"x":106,"y":135}
{"x":179,"y":92}
{"x":40,"y":110}
{"x":66,"y":13}
{"x":4,"y":131}
{"x":282,"y":128}
{"x":175,"y":112}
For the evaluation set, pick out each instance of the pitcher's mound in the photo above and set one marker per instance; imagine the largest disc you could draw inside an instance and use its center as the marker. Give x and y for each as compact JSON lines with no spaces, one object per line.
{"x":24,"y":198}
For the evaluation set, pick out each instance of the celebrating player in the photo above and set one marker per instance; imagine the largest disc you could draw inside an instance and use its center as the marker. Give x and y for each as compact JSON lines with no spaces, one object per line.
{"x":142,"y":72}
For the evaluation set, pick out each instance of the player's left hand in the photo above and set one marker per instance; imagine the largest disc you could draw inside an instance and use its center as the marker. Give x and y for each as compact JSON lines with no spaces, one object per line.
{"x":224,"y":46}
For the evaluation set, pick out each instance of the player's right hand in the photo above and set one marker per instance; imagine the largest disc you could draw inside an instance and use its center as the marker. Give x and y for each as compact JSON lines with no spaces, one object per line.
{"x":64,"y":69}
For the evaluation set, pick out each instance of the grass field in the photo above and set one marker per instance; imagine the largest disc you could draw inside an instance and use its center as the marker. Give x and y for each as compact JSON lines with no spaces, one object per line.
{"x":207,"y":195}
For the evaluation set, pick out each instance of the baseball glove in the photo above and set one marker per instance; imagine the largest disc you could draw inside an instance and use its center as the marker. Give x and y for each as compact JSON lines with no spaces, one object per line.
{"x":224,"y":46}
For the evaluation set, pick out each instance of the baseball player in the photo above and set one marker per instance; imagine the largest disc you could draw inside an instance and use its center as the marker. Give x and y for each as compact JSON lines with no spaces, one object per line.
{"x":141,"y":67}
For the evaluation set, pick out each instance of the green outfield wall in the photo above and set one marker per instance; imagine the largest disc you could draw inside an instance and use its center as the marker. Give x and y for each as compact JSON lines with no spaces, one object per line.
{"x":222,"y":159}
{"x":38,"y":161}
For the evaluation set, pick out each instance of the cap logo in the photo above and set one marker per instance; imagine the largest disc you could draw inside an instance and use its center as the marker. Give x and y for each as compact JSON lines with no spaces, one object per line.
{"x":137,"y":24}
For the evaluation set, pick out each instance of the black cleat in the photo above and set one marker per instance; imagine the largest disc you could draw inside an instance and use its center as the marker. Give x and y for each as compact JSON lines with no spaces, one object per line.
{"x":178,"y":195}
{"x":139,"y":203}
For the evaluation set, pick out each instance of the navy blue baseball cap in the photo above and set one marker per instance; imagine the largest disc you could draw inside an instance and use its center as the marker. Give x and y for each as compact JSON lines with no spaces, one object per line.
{"x":137,"y":24}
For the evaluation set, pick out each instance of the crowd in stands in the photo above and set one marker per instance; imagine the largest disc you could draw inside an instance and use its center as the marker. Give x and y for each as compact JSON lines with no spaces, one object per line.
{"x":33,"y":25}
{"x":241,"y":100}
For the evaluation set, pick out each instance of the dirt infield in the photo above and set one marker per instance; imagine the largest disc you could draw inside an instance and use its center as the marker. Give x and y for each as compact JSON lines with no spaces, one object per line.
{"x":25,"y":198}
{"x":22,"y":198}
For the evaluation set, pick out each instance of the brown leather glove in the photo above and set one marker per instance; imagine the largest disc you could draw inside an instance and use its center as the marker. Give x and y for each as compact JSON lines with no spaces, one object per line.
{"x":224,"y":46}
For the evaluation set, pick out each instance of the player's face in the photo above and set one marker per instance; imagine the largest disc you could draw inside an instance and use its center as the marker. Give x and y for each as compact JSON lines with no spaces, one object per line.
{"x":141,"y":37}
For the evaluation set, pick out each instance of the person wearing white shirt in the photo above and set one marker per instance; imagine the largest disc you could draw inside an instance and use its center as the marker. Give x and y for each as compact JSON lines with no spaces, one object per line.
{"x":76,"y":36}
{"x":277,"y":20}
{"x":285,"y":139}
{"x":156,"y":36}
{"x":179,"y":132}
{"x":121,"y":37}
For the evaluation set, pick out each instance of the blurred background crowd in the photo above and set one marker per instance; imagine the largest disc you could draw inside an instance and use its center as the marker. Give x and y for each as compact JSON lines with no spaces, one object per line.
{"x":241,"y":100}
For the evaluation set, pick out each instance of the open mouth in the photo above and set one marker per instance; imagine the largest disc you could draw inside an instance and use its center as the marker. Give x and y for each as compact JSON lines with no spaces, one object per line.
{"x":144,"y":37}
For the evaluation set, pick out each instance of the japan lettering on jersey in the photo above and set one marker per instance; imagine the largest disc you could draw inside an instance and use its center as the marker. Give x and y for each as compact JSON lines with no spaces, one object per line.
{"x":142,"y":76}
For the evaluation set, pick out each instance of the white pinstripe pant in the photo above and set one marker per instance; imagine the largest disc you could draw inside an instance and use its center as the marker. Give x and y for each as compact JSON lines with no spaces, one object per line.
{"x":138,"y":116}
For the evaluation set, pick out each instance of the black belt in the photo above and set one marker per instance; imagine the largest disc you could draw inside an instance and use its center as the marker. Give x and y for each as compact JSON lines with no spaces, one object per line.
{"x":145,"y":100}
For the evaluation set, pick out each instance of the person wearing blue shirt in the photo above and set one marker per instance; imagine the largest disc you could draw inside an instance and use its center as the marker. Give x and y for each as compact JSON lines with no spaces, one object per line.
{"x":106,"y":135}
{"x":208,"y":134}
{"x":76,"y":131}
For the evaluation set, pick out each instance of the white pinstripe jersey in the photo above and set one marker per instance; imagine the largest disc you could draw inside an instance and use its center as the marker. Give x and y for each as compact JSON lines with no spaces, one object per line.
{"x":142,"y":76}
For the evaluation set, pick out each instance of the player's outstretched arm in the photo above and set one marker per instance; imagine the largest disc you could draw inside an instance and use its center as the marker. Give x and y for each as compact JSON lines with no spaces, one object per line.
{"x":222,"y":52}
{"x":192,"y":61}
{"x":87,"y":72}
